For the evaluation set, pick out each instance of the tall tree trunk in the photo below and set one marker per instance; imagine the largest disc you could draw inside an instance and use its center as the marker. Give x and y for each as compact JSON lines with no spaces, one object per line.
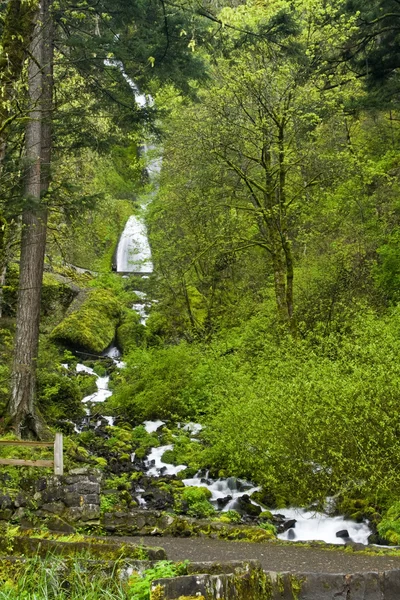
{"x":25,"y":419}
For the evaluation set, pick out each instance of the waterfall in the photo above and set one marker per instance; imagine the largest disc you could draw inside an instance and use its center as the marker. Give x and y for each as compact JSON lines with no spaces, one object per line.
{"x":133,"y":252}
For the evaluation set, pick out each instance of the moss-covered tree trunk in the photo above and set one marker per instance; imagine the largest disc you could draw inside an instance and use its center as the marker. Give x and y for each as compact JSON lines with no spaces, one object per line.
{"x":25,"y":419}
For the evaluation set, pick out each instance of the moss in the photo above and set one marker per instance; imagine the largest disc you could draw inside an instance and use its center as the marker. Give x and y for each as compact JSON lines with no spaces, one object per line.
{"x":92,"y":326}
{"x":185,"y":527}
{"x":194,"y":502}
{"x":266,"y":515}
{"x":296,"y":585}
{"x":130,"y":332}
{"x":56,"y":294}
{"x":98,"y":549}
{"x":157,"y":593}
{"x":357,"y":509}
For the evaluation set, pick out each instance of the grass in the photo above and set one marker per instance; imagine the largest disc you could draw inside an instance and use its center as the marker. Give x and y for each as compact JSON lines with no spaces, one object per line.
{"x":76,"y":579}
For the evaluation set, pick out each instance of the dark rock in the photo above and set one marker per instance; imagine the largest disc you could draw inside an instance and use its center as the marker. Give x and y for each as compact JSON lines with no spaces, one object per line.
{"x":56,"y":508}
{"x":289,"y":524}
{"x":291,"y":534}
{"x":5,"y":515}
{"x":41,"y":484}
{"x":5,"y":501}
{"x":20,"y":500}
{"x":244,"y":506}
{"x":18,"y":514}
{"x":223,"y":501}
{"x":57,"y":524}
{"x":49,"y":495}
{"x":82,"y":488}
{"x":343,"y":533}
{"x":73,"y":499}
{"x":88,"y":512}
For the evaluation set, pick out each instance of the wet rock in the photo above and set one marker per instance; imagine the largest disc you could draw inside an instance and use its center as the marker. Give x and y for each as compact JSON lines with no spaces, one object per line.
{"x":291,"y":534}
{"x":289,"y":524}
{"x":244,"y":506}
{"x":343,"y":533}
{"x":221,"y":502}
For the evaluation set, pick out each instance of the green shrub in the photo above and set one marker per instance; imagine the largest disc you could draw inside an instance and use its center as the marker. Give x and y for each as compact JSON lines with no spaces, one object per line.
{"x":230,"y":516}
{"x":67,"y":579}
{"x":196,"y":499}
{"x":130,"y":332}
{"x":389,"y":527}
{"x":157,"y":383}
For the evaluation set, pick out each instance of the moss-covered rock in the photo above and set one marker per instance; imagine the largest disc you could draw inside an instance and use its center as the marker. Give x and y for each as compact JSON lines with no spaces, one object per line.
{"x":57,"y":292}
{"x":194,"y":501}
{"x":91,"y":327}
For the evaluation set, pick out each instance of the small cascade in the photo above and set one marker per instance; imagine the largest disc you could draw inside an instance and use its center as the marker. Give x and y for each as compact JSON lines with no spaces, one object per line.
{"x":226,"y":490}
{"x":156,"y":467}
{"x":103,"y":392}
{"x":310,"y":526}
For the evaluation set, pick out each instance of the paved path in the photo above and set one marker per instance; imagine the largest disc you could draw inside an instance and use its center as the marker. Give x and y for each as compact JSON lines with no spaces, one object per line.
{"x":273,"y":557}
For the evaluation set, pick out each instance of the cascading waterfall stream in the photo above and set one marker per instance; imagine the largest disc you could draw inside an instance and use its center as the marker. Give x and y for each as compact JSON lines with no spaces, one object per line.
{"x":133,"y":256}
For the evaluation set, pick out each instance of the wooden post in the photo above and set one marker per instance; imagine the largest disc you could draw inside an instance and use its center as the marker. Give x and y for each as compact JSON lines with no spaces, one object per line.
{"x":58,"y":455}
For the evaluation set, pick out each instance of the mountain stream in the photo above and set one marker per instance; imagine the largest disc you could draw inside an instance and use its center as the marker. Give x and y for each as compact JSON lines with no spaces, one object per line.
{"x":133,"y":256}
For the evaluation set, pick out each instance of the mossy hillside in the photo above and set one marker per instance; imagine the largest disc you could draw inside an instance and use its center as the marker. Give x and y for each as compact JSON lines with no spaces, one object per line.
{"x":92,"y":327}
{"x":120,"y":441}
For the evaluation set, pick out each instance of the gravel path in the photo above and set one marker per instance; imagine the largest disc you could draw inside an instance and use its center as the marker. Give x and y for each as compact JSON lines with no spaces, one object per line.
{"x":273,"y":557}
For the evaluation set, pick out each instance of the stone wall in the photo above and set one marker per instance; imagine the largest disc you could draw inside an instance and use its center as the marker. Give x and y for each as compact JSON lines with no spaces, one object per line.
{"x":59,"y":501}
{"x":247,"y":581}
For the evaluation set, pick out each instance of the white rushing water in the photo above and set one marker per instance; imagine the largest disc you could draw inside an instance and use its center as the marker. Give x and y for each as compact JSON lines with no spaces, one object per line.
{"x":103,"y":392}
{"x":133,"y":252}
{"x":222,"y":488}
{"x":312,"y":526}
{"x":152,"y":426}
{"x":156,"y":467}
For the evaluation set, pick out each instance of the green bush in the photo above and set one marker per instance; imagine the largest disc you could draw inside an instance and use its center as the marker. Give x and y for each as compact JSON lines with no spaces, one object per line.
{"x":130,"y":332}
{"x":196,"y":499}
{"x":389,"y":527}
{"x":158,"y":383}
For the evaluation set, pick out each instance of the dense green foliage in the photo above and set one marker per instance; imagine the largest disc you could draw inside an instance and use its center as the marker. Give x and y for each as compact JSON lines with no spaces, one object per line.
{"x":274,"y":227}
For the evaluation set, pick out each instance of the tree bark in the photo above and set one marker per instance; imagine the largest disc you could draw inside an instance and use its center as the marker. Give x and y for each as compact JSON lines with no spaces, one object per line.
{"x":25,"y":419}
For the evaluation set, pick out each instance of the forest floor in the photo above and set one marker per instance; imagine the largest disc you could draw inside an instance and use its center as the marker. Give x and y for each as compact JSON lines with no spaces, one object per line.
{"x":273,"y":557}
